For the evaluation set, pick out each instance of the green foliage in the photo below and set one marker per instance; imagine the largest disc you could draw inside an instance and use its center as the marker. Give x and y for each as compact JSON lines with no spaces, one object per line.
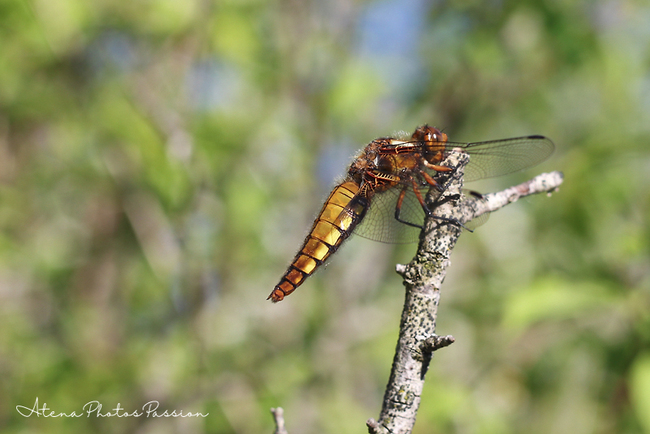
{"x":161,"y":161}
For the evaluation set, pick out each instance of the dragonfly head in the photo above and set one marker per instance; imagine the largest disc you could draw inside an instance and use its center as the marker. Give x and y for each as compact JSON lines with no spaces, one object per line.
{"x":433,"y":142}
{"x":429,"y":135}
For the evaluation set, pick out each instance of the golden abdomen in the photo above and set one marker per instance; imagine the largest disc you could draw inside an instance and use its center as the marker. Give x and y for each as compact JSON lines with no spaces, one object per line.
{"x":335,"y":223}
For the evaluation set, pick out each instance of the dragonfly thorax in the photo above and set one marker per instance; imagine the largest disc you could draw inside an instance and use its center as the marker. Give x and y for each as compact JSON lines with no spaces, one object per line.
{"x":366,"y":161}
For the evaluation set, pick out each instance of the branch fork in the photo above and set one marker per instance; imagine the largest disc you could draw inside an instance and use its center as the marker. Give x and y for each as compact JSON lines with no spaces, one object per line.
{"x":423,"y":277}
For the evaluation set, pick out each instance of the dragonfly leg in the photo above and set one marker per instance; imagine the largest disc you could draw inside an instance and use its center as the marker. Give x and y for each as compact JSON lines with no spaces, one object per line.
{"x":451,"y":173}
{"x":444,"y":199}
{"x":453,"y":222}
{"x":437,"y":168}
{"x":426,"y":209}
{"x":398,"y":209}
{"x":428,"y":212}
{"x":429,"y":180}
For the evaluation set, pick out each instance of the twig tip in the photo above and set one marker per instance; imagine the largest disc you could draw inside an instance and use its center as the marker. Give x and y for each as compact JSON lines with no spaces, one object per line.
{"x":278,"y":417}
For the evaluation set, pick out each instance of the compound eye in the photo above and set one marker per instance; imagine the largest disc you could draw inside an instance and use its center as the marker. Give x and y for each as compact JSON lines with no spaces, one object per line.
{"x":430,"y":137}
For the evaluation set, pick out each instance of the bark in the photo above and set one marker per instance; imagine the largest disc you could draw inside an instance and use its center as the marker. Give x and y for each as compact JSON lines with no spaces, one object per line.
{"x":423,"y":277}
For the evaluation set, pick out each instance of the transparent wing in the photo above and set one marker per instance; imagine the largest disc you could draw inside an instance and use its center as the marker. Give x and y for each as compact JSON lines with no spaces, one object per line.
{"x":501,"y":157}
{"x":380,"y":224}
{"x":480,"y":220}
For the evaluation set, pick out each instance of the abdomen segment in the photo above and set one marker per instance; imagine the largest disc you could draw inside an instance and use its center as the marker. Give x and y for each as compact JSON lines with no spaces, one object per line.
{"x":342,"y":211}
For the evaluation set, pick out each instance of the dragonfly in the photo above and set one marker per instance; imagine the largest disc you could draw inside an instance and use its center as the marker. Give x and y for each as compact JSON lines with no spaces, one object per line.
{"x":382,"y":195}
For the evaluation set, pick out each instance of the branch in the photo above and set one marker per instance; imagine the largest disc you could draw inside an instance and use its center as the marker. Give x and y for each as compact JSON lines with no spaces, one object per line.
{"x":278,"y":417}
{"x":423,"y":277}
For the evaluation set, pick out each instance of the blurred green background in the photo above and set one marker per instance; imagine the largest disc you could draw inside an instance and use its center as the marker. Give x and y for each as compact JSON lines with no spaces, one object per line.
{"x":161,"y":161}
